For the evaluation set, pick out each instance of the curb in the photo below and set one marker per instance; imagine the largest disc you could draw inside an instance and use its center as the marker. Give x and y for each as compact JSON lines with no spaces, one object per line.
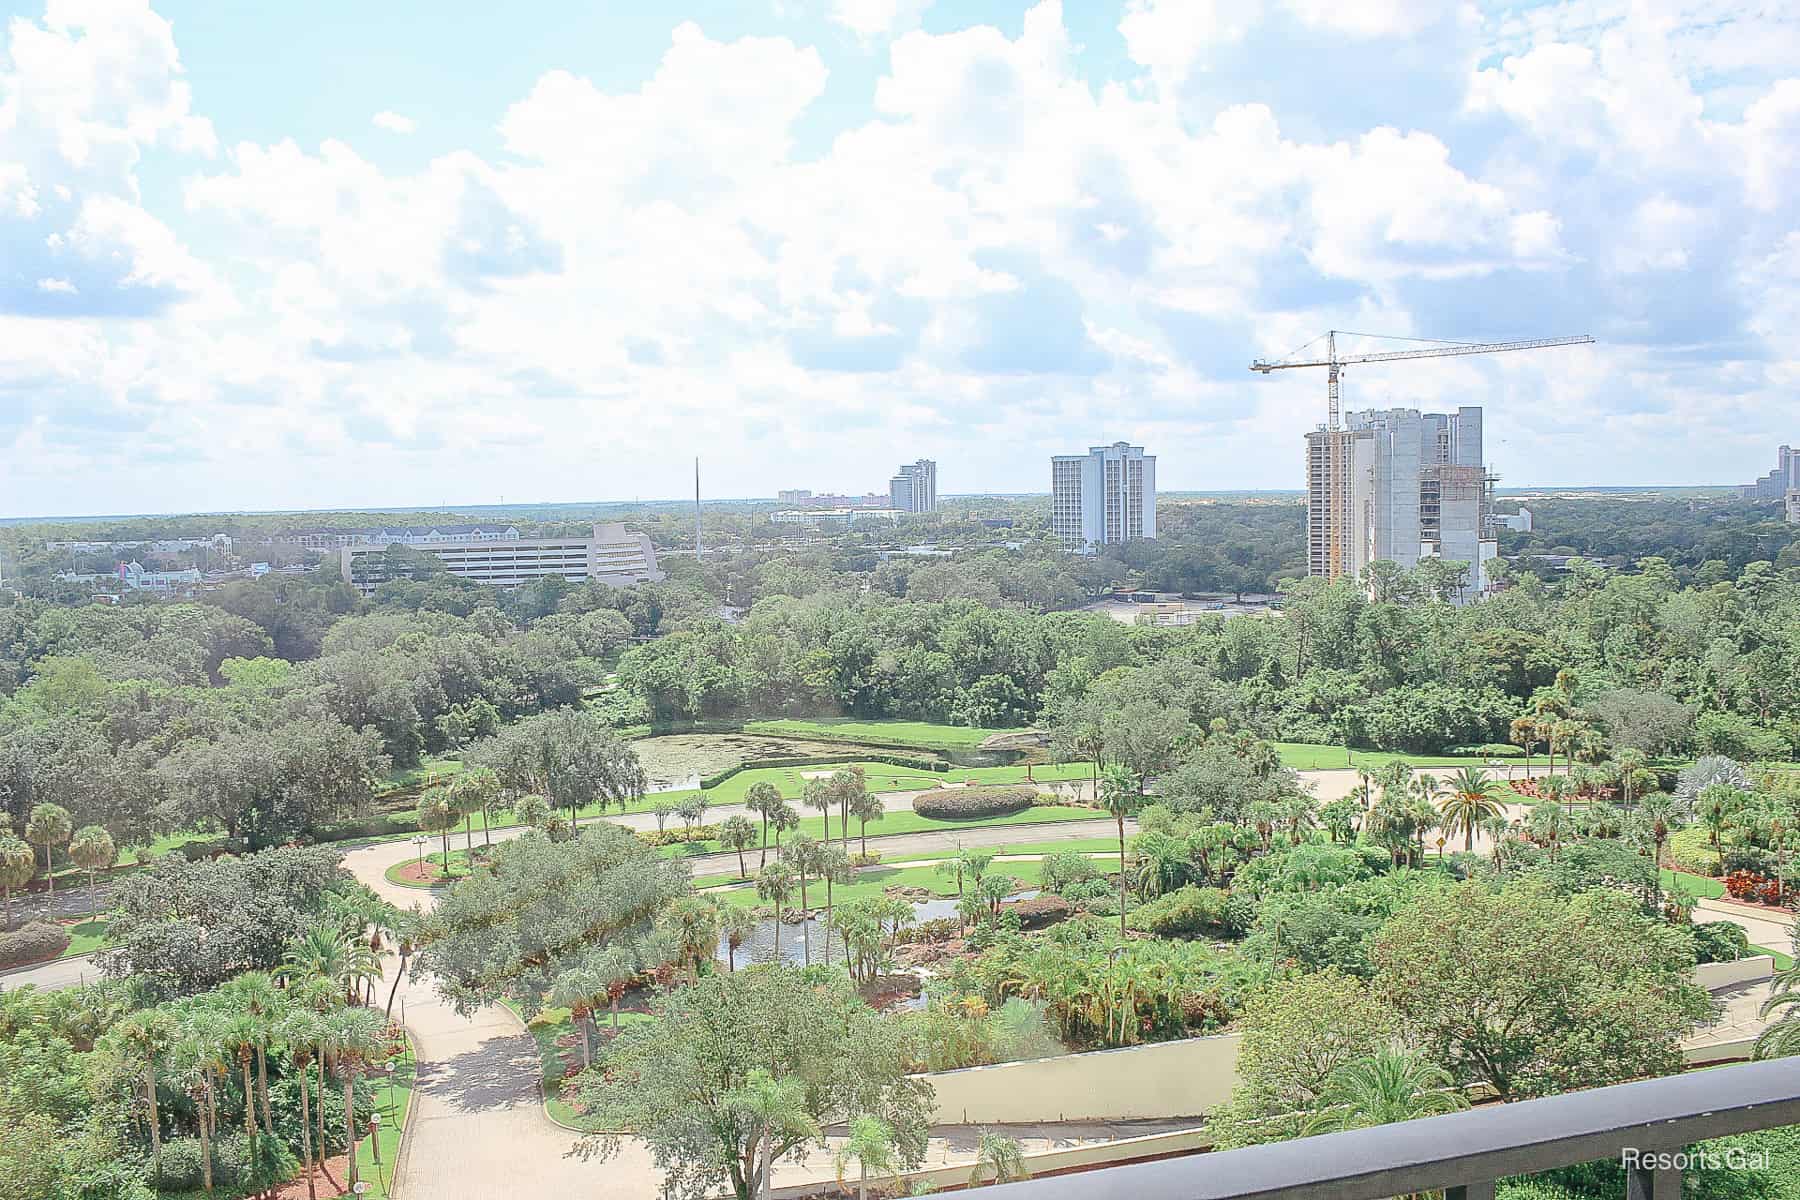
{"x":67,"y":958}
{"x":403,"y":1151}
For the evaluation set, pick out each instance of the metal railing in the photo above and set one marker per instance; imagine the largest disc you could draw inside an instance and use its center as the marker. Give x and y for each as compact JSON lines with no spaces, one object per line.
{"x":1643,"y":1125}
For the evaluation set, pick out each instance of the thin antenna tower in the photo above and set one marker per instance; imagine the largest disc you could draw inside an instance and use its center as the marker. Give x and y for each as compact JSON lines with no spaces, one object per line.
{"x":696,"y":507}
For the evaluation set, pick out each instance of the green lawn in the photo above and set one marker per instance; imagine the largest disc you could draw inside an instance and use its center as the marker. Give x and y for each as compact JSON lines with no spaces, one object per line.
{"x":394,"y":1102}
{"x":909,"y":733}
{"x":429,"y":770}
{"x":900,"y":822}
{"x":87,"y":937}
{"x":458,"y":869}
{"x":1700,"y":885}
{"x":1303,"y":756}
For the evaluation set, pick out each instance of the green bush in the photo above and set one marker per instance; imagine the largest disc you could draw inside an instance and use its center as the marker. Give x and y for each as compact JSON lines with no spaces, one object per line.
{"x":1720,"y":941}
{"x":1691,"y":850}
{"x":1065,"y":868}
{"x":1087,"y":891}
{"x":38,"y":941}
{"x":968,"y":803}
{"x":1186,"y":912}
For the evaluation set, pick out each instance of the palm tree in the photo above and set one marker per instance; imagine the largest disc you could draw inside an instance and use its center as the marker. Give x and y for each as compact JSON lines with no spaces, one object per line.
{"x":1628,"y":763}
{"x":18,"y":863}
{"x":848,"y":784}
{"x":739,"y":833}
{"x":1657,"y":815}
{"x":820,"y":796}
{"x":1392,"y":1084}
{"x":1545,"y":824}
{"x":1299,"y":813}
{"x":201,"y":1051}
{"x":692,"y":923}
{"x":1781,"y":1037}
{"x":477,"y":790}
{"x":302,"y":1031}
{"x":435,"y":814}
{"x":92,"y":850}
{"x":148,"y":1035}
{"x":834,"y":868}
{"x":354,"y":1037}
{"x":738,"y":924}
{"x":998,"y":1158}
{"x":576,"y":991}
{"x":866,"y":806}
{"x":807,"y":856}
{"x":327,"y":955}
{"x":775,"y":883}
{"x":871,"y":1144}
{"x":773,"y":1108}
{"x":1421,"y":809}
{"x":1468,"y":802}
{"x":255,"y":995}
{"x":1119,"y":796}
{"x":783,"y":818}
{"x":1717,"y":803}
{"x":48,"y":827}
{"x":763,"y":798}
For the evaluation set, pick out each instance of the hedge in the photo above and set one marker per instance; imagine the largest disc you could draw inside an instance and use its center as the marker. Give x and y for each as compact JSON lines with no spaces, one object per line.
{"x":970,"y":802}
{"x":38,"y":941}
{"x":678,"y":835}
{"x":1720,"y":941}
{"x":1691,"y":850}
{"x":825,"y":760}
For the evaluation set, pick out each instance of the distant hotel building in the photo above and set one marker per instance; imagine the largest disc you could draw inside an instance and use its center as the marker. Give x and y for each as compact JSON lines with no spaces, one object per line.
{"x":1783,"y":483}
{"x":1103,"y":497}
{"x":1399,"y":485}
{"x":913,"y":489}
{"x":612,"y":556}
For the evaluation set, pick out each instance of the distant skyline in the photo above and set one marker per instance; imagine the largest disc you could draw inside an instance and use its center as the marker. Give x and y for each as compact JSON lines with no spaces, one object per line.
{"x":332,"y":257}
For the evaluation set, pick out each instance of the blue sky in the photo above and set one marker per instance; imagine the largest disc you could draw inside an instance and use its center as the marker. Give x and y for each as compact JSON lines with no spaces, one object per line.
{"x":334,"y":254}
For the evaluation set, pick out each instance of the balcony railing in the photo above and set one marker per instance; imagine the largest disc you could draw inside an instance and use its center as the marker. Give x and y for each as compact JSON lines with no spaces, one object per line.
{"x":1643,"y":1125}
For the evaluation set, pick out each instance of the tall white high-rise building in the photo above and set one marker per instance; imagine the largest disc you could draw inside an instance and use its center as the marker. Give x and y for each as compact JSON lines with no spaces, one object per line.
{"x":1103,"y":497}
{"x":913,"y":488}
{"x":1400,"y":485}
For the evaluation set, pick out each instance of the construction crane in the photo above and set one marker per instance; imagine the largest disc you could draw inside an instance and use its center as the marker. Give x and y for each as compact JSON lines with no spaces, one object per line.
{"x":1430,"y":349}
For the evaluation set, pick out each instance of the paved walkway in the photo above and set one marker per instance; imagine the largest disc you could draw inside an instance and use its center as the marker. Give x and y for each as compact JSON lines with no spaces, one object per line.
{"x":1769,"y":928}
{"x":50,"y":976}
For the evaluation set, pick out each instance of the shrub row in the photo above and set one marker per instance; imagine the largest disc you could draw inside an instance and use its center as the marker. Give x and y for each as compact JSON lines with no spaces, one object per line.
{"x":38,"y":941}
{"x":970,"y":802}
{"x":826,"y":760}
{"x":678,"y":835}
{"x":1040,"y":911}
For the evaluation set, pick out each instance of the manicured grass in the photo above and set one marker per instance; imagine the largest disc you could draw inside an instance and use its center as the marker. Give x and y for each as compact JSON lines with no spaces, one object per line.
{"x":395,"y":1103}
{"x":898,"y":822}
{"x":910,"y":733}
{"x":1303,"y":756}
{"x":87,"y":937}
{"x":1782,"y":961}
{"x":1700,"y":885}
{"x":429,"y":770}
{"x":458,"y":869}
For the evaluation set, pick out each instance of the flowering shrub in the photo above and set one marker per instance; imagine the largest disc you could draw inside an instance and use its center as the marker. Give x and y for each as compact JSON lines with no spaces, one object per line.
{"x":1743,"y":885}
{"x":1771,"y":892}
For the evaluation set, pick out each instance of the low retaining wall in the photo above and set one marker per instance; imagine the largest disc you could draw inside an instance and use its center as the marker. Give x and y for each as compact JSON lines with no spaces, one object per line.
{"x":1044,"y":1162}
{"x":1165,"y":1079}
{"x":1713,"y":976}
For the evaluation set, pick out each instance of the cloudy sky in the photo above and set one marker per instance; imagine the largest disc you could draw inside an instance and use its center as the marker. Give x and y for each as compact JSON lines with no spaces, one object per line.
{"x":343,"y":254}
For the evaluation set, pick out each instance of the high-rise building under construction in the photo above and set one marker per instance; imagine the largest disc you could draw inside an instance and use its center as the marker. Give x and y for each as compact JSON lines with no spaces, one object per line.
{"x":1400,"y":485}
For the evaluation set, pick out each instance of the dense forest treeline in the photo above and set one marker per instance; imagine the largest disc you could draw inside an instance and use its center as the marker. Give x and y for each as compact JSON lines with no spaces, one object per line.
{"x":275,"y":706}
